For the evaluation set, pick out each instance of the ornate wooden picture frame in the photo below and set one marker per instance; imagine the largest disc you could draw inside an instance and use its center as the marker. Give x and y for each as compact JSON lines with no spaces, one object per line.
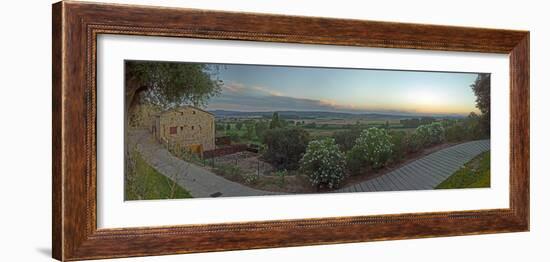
{"x":76,"y":26}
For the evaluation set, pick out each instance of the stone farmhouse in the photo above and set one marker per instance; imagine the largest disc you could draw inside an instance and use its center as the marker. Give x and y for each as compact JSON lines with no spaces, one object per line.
{"x":185,"y":127}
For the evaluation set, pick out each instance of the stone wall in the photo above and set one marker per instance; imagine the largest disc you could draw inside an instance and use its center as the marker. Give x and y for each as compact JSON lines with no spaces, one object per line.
{"x":142,"y":115}
{"x":187,"y":127}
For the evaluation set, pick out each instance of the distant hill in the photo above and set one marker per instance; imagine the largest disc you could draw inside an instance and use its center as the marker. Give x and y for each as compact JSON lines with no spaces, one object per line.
{"x":320,"y":114}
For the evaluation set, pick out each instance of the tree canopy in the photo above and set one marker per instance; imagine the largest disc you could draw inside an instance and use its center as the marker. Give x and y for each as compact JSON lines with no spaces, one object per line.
{"x":482,"y":90}
{"x":275,"y":121}
{"x":285,"y":146}
{"x":170,"y":84}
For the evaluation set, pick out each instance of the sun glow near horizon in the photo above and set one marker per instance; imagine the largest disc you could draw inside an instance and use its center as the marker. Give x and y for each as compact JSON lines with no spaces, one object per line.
{"x":279,"y":88}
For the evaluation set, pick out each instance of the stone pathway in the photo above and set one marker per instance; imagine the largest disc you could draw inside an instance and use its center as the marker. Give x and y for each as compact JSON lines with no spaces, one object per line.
{"x":195,"y":179}
{"x":426,"y":172}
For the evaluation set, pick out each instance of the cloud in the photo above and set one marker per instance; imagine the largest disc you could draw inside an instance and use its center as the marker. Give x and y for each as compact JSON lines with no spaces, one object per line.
{"x":239,"y":88}
{"x":262,"y":89}
{"x":237,"y":96}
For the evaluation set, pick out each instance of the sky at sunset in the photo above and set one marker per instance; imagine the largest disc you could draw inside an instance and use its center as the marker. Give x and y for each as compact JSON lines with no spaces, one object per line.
{"x":280,"y":88}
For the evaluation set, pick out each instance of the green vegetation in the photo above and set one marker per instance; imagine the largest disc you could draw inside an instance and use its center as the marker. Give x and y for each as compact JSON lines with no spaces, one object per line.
{"x":475,"y":174}
{"x":482,"y":90}
{"x":367,"y":145}
{"x":466,"y":129}
{"x":259,"y":128}
{"x":323,"y":163}
{"x":232,"y":172}
{"x":235,"y":173}
{"x":430,"y":134}
{"x":167,"y":84}
{"x":281,"y":174}
{"x":416,"y":122}
{"x":346,"y":138}
{"x":275,"y":122}
{"x":372,"y":150}
{"x":401,"y":144}
{"x":285,"y":147}
{"x":144,"y":182}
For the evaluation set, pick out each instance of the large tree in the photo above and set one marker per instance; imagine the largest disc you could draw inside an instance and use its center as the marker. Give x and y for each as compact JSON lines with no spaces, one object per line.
{"x":285,"y":146}
{"x":482,"y":90}
{"x":275,"y":121}
{"x":169,"y":84}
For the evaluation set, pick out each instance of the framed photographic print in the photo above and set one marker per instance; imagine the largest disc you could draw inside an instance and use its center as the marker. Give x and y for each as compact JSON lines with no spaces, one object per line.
{"x":181,"y":130}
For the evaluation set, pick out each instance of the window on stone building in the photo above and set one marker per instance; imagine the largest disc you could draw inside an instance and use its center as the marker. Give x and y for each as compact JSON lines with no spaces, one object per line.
{"x":192,"y":127}
{"x":173,"y":130}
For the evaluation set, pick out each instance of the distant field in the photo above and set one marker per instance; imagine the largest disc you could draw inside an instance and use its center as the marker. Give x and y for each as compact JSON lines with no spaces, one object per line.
{"x":317,"y":132}
{"x":324,"y":127}
{"x":330,"y":122}
{"x":348,"y":121}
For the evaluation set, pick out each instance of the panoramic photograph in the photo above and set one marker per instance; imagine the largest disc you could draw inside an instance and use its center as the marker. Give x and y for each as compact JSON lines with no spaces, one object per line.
{"x":203,"y":130}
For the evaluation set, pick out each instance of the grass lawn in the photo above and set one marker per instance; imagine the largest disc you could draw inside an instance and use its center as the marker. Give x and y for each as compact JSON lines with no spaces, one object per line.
{"x":147,"y":183}
{"x":475,"y":174}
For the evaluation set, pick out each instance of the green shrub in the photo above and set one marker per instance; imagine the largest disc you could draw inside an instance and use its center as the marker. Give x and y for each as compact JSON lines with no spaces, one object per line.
{"x":323,"y":163}
{"x":275,"y":121}
{"x":469,"y":128}
{"x":346,"y":139}
{"x":355,"y":162}
{"x":415,"y":143}
{"x":474,"y":127}
{"x":456,"y":132}
{"x":250,"y":179}
{"x":401,"y":146}
{"x":233,"y":135}
{"x":260,"y":128}
{"x":285,"y":146}
{"x":428,"y":135}
{"x":281,"y":174}
{"x":249,"y":131}
{"x":372,"y":149}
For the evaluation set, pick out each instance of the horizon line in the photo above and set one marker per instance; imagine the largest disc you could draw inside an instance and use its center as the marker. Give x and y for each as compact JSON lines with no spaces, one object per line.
{"x":344,"y":112}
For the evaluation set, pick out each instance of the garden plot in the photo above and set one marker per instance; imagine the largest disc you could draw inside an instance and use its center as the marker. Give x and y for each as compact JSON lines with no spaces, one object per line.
{"x":247,"y":162}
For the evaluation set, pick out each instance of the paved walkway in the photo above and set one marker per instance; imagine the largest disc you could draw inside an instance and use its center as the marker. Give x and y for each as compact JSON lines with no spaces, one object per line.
{"x":198,"y":181}
{"x":426,"y":172}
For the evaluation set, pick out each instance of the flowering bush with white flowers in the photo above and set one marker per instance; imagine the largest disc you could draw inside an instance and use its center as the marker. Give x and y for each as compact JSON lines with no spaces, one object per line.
{"x":372,"y":149}
{"x":427,"y":135}
{"x":324,"y":163}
